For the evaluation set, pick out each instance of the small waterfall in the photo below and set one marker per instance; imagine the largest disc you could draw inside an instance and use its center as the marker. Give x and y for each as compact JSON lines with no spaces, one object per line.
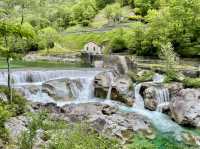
{"x":161,"y":121}
{"x":139,"y":102}
{"x":111,"y":80}
{"x":162,"y":97}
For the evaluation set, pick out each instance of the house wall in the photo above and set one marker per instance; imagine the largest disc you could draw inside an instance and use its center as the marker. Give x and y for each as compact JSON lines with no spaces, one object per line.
{"x":93,"y":48}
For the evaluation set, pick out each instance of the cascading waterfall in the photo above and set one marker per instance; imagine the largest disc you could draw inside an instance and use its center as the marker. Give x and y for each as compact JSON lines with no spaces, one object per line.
{"x":30,"y":83}
{"x":139,"y":102}
{"x":161,"y":121}
{"x":162,"y":97}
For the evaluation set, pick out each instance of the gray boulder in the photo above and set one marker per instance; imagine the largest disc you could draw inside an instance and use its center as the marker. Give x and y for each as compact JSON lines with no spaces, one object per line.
{"x":122,"y":64}
{"x":108,"y":85}
{"x":16,"y":126}
{"x":185,"y":108}
{"x":62,"y":89}
{"x":108,"y":120}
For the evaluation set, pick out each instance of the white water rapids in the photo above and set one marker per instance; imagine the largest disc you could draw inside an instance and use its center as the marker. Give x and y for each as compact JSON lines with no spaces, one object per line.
{"x":28,"y":80}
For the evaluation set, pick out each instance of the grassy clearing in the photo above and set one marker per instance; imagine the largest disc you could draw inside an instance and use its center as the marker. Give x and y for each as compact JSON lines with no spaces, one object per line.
{"x":18,"y":64}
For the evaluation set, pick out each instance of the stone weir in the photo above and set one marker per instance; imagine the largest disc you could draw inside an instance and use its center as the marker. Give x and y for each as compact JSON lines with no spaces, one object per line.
{"x":57,"y":86}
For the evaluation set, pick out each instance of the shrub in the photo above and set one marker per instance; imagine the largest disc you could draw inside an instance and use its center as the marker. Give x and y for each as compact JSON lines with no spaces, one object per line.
{"x":82,"y":137}
{"x":192,"y":82}
{"x":147,"y":76}
{"x":4,"y":115}
{"x":18,"y":105}
{"x":118,"y":45}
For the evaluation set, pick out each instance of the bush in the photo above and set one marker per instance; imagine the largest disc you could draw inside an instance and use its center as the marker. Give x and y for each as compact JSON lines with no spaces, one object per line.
{"x":4,"y":115}
{"x":192,"y":82}
{"x":147,"y":76}
{"x":82,"y":137}
{"x":18,"y":104}
{"x":118,"y":45}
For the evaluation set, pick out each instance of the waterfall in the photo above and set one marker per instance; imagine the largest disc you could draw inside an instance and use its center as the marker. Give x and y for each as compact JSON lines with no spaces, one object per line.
{"x":161,"y":121}
{"x":30,"y":83}
{"x":139,"y":102}
{"x":162,"y":97}
{"x":110,"y":77}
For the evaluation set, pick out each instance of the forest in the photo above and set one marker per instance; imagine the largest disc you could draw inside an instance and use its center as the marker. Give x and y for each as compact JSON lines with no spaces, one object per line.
{"x":149,"y":24}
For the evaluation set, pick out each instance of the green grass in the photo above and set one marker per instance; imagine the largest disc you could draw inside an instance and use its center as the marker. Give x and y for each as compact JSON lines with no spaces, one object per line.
{"x":18,"y":64}
{"x":60,"y":135}
{"x":160,"y":142}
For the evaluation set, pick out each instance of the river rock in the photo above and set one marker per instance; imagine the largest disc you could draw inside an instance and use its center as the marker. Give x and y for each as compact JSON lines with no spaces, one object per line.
{"x":104,"y":119}
{"x":108,"y":85}
{"x":185,"y":108}
{"x":121,"y":64}
{"x":16,"y":126}
{"x":102,"y":83}
{"x":62,"y":89}
{"x":174,"y":88}
{"x":191,"y":139}
{"x":122,"y":90}
{"x":149,"y":99}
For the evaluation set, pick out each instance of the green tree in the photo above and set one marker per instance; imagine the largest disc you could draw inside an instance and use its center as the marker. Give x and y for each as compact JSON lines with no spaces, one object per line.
{"x":7,"y":31}
{"x":169,"y":56}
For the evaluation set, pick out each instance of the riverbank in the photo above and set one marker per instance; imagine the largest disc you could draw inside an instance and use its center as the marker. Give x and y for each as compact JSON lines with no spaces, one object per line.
{"x":22,"y":64}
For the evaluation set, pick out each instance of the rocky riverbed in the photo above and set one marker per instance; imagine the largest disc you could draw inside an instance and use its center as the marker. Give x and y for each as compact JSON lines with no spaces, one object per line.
{"x":113,"y":102}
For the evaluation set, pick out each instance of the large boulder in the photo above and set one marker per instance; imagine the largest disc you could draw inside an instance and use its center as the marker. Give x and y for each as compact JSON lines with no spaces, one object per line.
{"x":122,"y":90}
{"x":108,"y":85}
{"x":102,"y":82}
{"x":122,"y":64}
{"x":62,"y":89}
{"x":156,"y":96}
{"x":16,"y":126}
{"x":174,"y":88}
{"x":107,"y":120}
{"x":185,"y":108}
{"x":150,"y":101}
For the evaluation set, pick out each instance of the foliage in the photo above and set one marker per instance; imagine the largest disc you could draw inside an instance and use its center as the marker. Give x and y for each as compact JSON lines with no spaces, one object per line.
{"x":117,"y":45}
{"x":146,"y":76}
{"x":160,"y":142}
{"x":7,"y":110}
{"x":156,"y":22}
{"x":4,"y":115}
{"x":113,"y":12}
{"x":82,"y":137}
{"x":170,"y":58}
{"x":62,"y":136}
{"x":191,"y":82}
{"x":18,"y":105}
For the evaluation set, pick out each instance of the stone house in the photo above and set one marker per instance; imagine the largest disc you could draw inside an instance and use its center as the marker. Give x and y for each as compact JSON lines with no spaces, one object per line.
{"x":93,"y":48}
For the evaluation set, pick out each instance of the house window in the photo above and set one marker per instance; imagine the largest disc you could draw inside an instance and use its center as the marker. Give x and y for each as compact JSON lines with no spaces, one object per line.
{"x":87,"y":48}
{"x":94,"y":49}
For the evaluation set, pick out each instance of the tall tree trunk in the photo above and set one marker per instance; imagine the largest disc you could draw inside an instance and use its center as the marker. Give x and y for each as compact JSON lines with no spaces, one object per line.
{"x":9,"y":79}
{"x":22,"y":15}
